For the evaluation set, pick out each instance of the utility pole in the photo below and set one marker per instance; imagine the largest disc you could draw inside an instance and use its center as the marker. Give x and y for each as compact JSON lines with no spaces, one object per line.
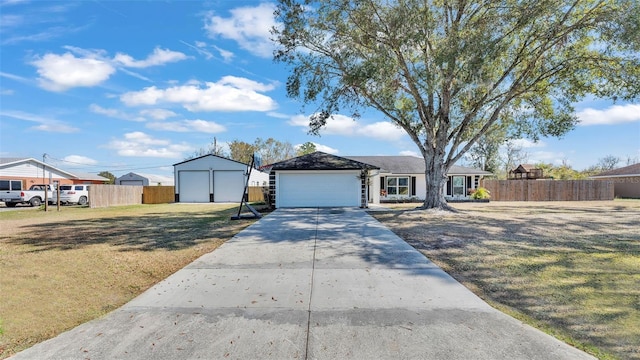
{"x":46,"y":192}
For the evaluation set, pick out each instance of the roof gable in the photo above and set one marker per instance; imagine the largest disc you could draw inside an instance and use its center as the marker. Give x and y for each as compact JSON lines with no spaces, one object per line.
{"x":321,"y":161}
{"x":207,"y":155}
{"x":631,"y":170}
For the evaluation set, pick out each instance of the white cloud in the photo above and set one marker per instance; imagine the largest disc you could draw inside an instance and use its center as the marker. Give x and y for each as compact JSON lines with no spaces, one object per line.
{"x":320,"y":147}
{"x":616,"y":114}
{"x":115,"y":113}
{"x":248,"y":26}
{"x":45,"y":123}
{"x":410,"y":153}
{"x":325,"y":148}
{"x":79,"y":159}
{"x":382,"y":130}
{"x":61,"y":72}
{"x":158,"y":57}
{"x":139,"y":144}
{"x":201,"y":126}
{"x":228,"y":94}
{"x":7,"y":92}
{"x":158,"y":114}
{"x":347,"y":126}
{"x":226,"y":55}
{"x":547,"y":157}
{"x":526,"y":143}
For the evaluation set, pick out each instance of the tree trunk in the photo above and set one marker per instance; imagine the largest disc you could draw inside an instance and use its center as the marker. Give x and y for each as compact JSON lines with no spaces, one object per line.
{"x":436,"y":180}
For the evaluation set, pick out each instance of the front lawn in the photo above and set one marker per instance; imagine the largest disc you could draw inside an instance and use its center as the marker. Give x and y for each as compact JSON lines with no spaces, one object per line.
{"x":571,"y":269}
{"x":61,"y":269}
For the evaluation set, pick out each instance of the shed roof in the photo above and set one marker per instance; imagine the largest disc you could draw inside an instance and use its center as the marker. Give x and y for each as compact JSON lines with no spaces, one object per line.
{"x":411,"y":165}
{"x":321,"y":161}
{"x":9,"y":161}
{"x":207,"y":155}
{"x":631,"y":170}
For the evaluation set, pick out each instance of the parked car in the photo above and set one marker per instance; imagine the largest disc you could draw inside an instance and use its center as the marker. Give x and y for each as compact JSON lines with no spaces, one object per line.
{"x":73,"y":194}
{"x":35,"y":196}
{"x":10,"y":192}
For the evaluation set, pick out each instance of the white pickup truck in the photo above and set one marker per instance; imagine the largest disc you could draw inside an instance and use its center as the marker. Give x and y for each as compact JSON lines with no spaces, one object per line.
{"x":34,"y":196}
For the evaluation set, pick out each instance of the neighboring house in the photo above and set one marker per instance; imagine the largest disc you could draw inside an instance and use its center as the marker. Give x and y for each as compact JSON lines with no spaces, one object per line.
{"x":32,"y":171}
{"x":526,"y":172}
{"x":403,"y":178}
{"x":626,"y":181}
{"x":258,"y":178}
{"x":209,"y":178}
{"x":319,"y":180}
{"x":141,"y":179}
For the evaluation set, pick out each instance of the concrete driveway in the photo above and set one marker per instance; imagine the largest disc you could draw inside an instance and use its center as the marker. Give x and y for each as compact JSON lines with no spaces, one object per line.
{"x":307,"y":284}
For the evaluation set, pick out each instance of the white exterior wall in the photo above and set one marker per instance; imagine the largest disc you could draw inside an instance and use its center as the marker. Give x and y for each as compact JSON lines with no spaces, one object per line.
{"x":132,"y":177}
{"x":258,"y":178}
{"x":421,"y":186}
{"x":211,"y":164}
{"x":317,"y":188}
{"x":30,"y":169}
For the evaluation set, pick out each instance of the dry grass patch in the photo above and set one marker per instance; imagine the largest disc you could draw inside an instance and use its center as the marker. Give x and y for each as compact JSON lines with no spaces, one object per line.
{"x":571,"y":269}
{"x":61,"y":269}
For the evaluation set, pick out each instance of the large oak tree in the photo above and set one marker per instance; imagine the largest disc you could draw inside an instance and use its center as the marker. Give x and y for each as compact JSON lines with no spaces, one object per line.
{"x":449,"y":72}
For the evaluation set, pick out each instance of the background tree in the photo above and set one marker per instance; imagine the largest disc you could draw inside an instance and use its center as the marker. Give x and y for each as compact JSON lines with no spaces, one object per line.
{"x":608,"y":162}
{"x":213,"y":148}
{"x":448,"y":72}
{"x":241,"y":151}
{"x":513,"y":156}
{"x":108,"y":175}
{"x":485,"y":153}
{"x":306,"y":148}
{"x":273,"y":150}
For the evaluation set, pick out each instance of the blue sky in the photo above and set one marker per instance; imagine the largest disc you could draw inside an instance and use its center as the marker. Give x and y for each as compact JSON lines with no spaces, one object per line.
{"x":140,"y":85}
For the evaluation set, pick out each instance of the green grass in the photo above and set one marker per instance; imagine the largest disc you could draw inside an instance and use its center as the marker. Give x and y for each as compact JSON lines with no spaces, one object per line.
{"x":570,"y":269}
{"x":61,"y":269}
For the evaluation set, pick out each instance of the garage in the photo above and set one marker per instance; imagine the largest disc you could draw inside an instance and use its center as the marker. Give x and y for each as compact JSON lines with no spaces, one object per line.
{"x":209,"y":178}
{"x":319,"y":180}
{"x":194,"y":186}
{"x":321,"y":189}
{"x":132,"y":182}
{"x":228,"y":186}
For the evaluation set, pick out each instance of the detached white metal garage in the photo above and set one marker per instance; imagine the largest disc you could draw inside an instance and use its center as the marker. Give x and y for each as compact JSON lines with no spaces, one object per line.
{"x":209,"y":178}
{"x":319,"y":180}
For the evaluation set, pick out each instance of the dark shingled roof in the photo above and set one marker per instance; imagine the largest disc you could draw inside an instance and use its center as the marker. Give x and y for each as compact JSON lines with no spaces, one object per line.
{"x":631,"y":170}
{"x":321,"y":161}
{"x":411,"y":165}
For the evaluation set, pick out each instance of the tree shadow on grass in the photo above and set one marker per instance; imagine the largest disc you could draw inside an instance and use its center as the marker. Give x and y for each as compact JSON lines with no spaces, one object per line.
{"x":148,"y":232}
{"x":570,"y":269}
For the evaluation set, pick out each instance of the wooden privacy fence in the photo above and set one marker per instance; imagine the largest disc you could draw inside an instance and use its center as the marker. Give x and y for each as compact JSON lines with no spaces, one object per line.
{"x":256,"y":193}
{"x":158,"y":194}
{"x":114,"y":195}
{"x":549,"y":190}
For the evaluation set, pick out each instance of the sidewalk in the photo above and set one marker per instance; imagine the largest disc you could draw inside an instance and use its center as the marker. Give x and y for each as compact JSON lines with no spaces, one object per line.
{"x":307,"y":283}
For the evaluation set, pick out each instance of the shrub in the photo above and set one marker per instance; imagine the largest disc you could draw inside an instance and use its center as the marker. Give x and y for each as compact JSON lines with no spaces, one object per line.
{"x":481,"y":194}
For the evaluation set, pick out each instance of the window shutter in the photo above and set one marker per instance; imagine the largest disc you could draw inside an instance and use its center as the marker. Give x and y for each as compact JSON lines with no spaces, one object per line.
{"x":382,"y":181}
{"x":449,"y":186}
{"x":413,"y":186}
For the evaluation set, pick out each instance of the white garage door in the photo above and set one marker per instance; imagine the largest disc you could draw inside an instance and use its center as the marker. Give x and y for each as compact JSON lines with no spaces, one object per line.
{"x":131,"y":182}
{"x":194,"y":186}
{"x":318,"y":190}
{"x":228,"y":186}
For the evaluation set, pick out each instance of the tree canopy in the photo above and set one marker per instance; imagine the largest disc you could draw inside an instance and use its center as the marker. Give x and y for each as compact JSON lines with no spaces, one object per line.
{"x":306,"y":148}
{"x":448,"y":72}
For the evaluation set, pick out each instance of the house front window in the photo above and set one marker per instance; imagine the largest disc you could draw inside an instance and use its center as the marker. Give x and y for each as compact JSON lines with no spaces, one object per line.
{"x":397,"y":186}
{"x":458,"y":186}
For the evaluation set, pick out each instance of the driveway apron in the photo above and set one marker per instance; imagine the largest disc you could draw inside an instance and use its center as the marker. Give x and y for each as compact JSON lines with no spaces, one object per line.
{"x":307,"y":284}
